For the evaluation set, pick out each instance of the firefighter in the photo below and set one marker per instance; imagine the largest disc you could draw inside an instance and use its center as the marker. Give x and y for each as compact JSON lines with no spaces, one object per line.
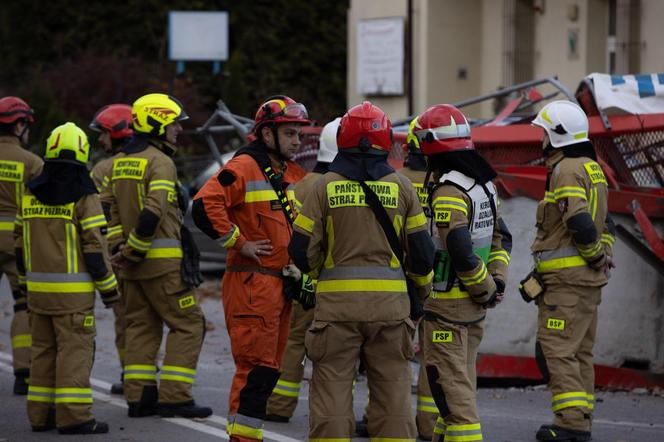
{"x":113,"y":122}
{"x":572,"y":250}
{"x":415,"y":168}
{"x":470,"y":268}
{"x":151,"y":254}
{"x":362,"y":306}
{"x":62,"y":254}
{"x":17,"y":167}
{"x":247,"y":207}
{"x":282,"y":402}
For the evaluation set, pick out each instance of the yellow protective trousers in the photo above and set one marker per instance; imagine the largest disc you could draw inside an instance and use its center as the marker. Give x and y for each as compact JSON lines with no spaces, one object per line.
{"x":20,"y":327}
{"x":450,"y":354}
{"x":566,"y":327}
{"x":62,"y":357}
{"x":150,"y":304}
{"x":334,"y":348}
{"x":285,"y":394}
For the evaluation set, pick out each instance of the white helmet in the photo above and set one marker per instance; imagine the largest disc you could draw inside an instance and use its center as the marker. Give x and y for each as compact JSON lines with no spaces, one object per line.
{"x":328,"y":141}
{"x":564,"y":122}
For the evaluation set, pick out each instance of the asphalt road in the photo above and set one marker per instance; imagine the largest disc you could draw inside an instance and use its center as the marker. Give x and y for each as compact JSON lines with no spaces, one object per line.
{"x":508,"y":415}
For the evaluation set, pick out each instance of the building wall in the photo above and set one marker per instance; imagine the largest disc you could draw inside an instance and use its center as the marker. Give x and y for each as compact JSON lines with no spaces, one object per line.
{"x":652,"y":49}
{"x":395,"y":107}
{"x":473,"y":35}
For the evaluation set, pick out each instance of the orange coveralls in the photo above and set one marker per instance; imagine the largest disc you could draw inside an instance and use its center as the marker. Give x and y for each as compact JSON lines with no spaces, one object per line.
{"x":236,"y":205}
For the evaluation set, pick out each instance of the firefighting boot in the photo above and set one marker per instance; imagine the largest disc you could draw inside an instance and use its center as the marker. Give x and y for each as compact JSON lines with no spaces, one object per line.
{"x":21,"y":382}
{"x":147,"y":406}
{"x":118,"y":387}
{"x":89,"y":427}
{"x":49,"y":425}
{"x":186,"y":409}
{"x":560,"y":434}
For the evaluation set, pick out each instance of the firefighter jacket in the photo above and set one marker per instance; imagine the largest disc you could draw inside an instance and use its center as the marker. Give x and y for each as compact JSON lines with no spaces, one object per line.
{"x":64,"y":255}
{"x":338,"y":240}
{"x":239,"y":204}
{"x":145,"y":215}
{"x":17,"y":167}
{"x":304,"y":187}
{"x":417,"y":177}
{"x":574,"y":229}
{"x":101,"y":173}
{"x":473,"y":248}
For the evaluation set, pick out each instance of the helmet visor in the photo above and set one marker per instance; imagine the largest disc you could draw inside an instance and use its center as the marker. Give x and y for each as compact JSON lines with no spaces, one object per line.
{"x":444,"y":132}
{"x":295,"y":110}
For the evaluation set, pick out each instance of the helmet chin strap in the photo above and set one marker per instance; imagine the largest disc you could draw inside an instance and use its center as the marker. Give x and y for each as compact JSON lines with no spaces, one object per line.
{"x":277,"y":146}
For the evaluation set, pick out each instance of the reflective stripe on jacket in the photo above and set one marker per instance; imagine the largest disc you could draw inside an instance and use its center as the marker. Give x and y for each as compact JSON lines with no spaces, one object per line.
{"x":246,"y":208}
{"x":576,"y":185}
{"x":17,"y":167}
{"x":145,"y":183}
{"x":341,"y":242}
{"x":54,"y":241}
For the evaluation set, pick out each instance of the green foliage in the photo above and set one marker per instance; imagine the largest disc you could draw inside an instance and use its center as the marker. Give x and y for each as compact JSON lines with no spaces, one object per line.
{"x":69,"y":58}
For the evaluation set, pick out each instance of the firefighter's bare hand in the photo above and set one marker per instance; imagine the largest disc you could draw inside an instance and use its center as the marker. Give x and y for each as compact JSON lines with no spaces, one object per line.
{"x":255,"y":249}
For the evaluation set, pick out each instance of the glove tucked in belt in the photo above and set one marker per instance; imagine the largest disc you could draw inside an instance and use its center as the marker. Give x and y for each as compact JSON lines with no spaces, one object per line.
{"x":299,"y":287}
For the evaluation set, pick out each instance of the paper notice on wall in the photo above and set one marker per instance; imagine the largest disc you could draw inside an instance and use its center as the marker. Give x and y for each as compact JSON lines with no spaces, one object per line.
{"x":634,"y":94}
{"x":380,"y":56}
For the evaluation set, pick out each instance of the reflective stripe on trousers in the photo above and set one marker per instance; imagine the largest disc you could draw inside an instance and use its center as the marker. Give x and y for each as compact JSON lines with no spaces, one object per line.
{"x":463,"y":433}
{"x":245,"y":426}
{"x":285,"y":388}
{"x":568,"y":400}
{"x":427,"y":404}
{"x":145,"y":372}
{"x":175,"y":373}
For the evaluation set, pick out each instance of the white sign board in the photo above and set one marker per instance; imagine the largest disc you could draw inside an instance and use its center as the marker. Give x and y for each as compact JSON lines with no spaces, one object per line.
{"x":198,"y":36}
{"x":380,"y":56}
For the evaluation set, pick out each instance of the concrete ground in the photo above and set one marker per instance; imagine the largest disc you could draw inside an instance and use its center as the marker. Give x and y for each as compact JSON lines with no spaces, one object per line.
{"x":508,"y":415}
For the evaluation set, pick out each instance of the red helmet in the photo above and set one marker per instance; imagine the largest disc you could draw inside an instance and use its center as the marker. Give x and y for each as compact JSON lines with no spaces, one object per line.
{"x":365,"y":125}
{"x":13,"y":108}
{"x":280,"y":109}
{"x":443,"y":128}
{"x":115,"y":118}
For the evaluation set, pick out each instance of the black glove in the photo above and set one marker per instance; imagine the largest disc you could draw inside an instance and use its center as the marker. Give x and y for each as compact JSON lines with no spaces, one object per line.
{"x":299,"y":287}
{"x":190,"y":267}
{"x":416,"y":304}
{"x":500,"y":285}
{"x":110,"y":298}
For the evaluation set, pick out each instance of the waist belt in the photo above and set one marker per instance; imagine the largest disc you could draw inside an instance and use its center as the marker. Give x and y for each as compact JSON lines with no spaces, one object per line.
{"x":566,"y":257}
{"x":255,"y":269}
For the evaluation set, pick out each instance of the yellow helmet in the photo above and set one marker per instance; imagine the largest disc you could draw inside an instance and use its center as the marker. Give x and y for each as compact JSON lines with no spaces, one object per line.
{"x":68,"y":143}
{"x":412,"y":143}
{"x":153,"y":112}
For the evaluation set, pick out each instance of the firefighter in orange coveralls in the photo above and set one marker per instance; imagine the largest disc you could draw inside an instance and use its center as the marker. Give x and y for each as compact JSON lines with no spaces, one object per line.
{"x":248,"y":208}
{"x":113,"y":122}
{"x":63,"y":256}
{"x":470,"y":270}
{"x":17,"y":167}
{"x":284,"y":397}
{"x":152,"y":256}
{"x":353,"y":238}
{"x":572,"y":250}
